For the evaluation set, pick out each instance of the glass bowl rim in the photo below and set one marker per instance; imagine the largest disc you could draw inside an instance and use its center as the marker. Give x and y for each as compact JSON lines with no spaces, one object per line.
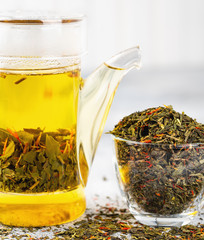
{"x":180,"y":145}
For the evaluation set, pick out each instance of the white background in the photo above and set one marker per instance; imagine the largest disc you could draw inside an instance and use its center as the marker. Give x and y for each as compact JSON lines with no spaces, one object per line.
{"x":171,"y":36}
{"x":170,"y":32}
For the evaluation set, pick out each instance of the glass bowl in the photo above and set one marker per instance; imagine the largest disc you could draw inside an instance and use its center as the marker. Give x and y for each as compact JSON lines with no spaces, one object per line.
{"x":162,"y":184}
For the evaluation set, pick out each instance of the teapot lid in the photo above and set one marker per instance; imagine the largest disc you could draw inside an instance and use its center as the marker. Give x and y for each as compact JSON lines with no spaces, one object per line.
{"x":42,"y":34}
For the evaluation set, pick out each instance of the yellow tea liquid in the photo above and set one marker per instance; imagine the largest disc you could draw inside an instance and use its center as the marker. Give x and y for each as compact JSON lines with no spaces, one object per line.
{"x":47,"y":102}
{"x":44,"y":209}
{"x":39,"y":100}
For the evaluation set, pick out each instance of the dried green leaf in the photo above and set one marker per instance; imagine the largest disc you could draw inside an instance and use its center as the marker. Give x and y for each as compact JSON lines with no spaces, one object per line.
{"x":6,"y":134}
{"x":29,"y":157}
{"x":52,"y":147}
{"x":33,"y":131}
{"x":9,"y":151}
{"x":25,"y":137}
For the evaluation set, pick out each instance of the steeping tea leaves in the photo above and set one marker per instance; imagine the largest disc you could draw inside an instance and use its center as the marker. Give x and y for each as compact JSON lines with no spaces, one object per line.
{"x":33,"y":161}
{"x":39,"y":173}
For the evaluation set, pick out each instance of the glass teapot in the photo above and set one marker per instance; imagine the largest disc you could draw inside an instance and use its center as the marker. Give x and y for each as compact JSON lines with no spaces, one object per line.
{"x":51,"y":119}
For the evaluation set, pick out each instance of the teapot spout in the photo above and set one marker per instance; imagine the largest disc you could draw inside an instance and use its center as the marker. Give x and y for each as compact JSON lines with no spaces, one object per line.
{"x":95,"y":98}
{"x":125,"y":60}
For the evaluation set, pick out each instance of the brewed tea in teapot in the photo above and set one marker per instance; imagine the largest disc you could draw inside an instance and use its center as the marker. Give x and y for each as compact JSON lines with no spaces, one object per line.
{"x":50,"y":118}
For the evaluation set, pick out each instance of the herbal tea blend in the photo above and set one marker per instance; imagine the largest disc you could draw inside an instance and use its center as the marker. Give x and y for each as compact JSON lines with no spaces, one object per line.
{"x":162,"y":170}
{"x":33,"y":161}
{"x":160,"y":125}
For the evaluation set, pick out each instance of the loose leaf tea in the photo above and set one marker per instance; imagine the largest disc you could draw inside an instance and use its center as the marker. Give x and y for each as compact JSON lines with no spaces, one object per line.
{"x":160,"y":125}
{"x":162,"y":170}
{"x":34,"y":161}
{"x":161,"y":179}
